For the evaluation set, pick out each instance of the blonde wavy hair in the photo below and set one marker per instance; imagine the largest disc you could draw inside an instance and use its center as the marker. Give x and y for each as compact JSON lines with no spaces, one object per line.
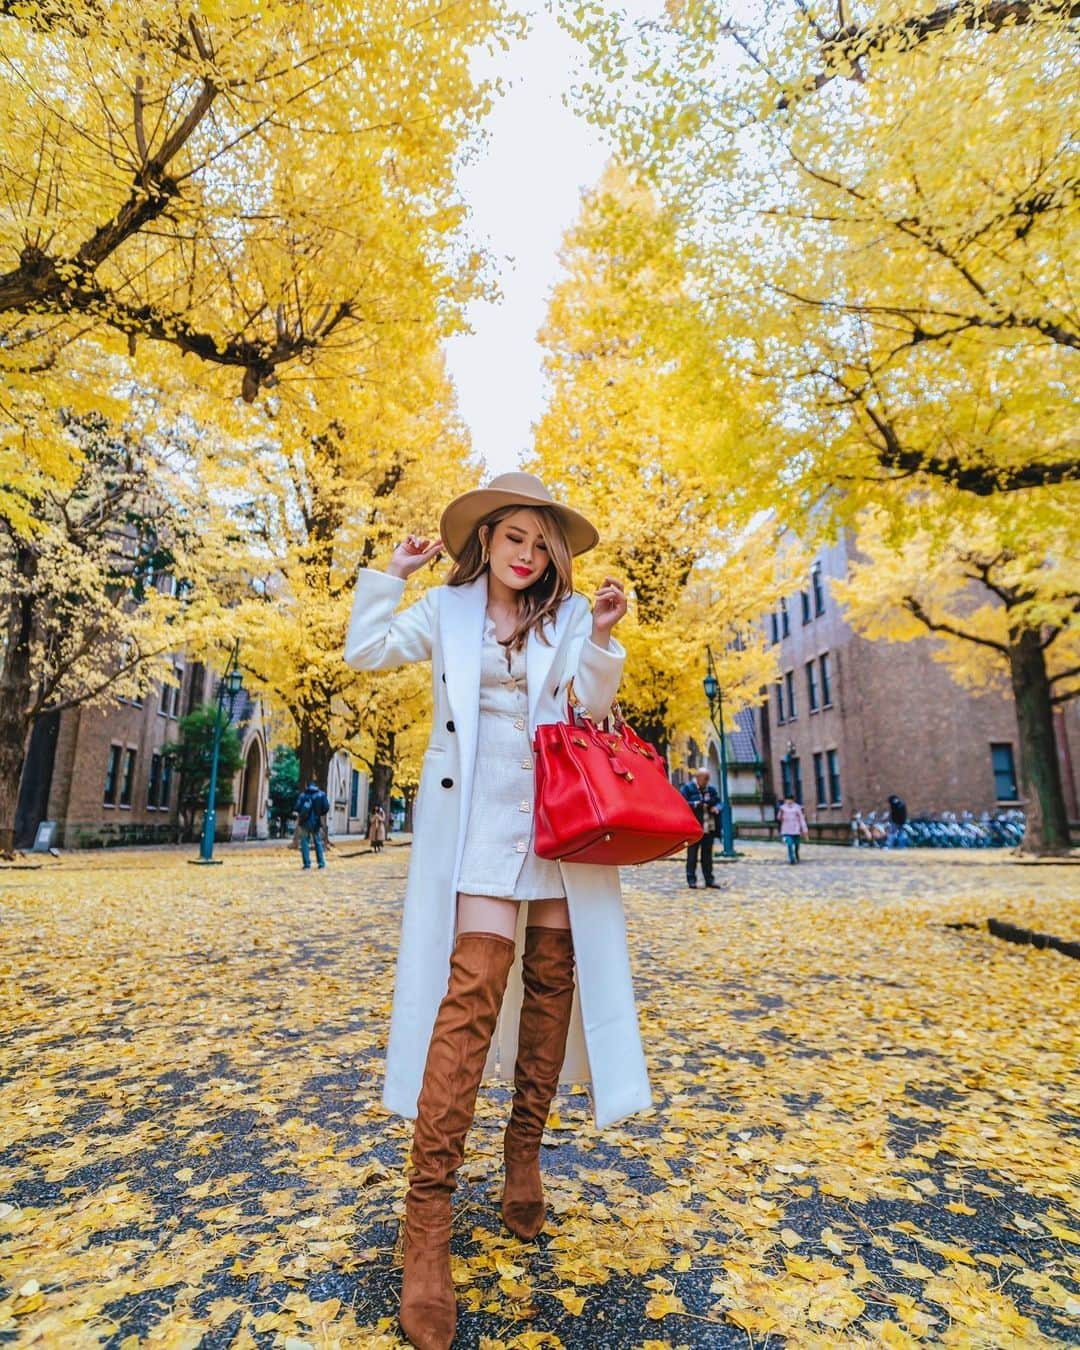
{"x":539,"y":603}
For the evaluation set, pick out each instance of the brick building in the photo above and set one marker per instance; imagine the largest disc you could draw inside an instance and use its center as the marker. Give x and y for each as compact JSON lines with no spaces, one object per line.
{"x":98,"y":772}
{"x":851,"y":720}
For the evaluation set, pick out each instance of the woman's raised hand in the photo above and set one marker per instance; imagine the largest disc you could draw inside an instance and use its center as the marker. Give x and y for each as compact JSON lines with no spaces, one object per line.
{"x":608,"y":608}
{"x":413,"y":554}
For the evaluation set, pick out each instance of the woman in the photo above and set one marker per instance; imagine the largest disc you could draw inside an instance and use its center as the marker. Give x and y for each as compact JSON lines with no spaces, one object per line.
{"x":793,"y":827}
{"x":377,"y":829}
{"x":506,"y":637}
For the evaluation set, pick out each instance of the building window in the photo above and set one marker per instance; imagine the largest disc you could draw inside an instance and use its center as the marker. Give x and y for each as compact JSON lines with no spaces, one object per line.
{"x":819,"y":779}
{"x":1005,"y":785}
{"x":789,"y":690}
{"x":354,"y":794}
{"x":153,"y":787}
{"x":833,"y":760}
{"x":129,"y":778}
{"x":791,"y":776}
{"x":170,"y":694}
{"x":112,"y":774}
{"x":166,"y":785}
{"x":804,"y":596}
{"x":785,"y":620}
{"x":819,"y":589}
{"x":779,"y":702}
{"x":811,"y":686}
{"x":774,"y":627}
{"x":826,"y":682}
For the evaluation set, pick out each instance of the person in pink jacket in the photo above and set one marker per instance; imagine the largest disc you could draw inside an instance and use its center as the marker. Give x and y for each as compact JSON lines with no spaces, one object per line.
{"x":792,"y":826}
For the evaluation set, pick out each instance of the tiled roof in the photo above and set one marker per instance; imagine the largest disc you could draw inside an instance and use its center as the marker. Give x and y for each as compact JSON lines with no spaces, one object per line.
{"x":742,"y":740}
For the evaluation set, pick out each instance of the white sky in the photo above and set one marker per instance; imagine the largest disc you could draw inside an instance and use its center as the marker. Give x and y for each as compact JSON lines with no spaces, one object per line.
{"x":524,"y":192}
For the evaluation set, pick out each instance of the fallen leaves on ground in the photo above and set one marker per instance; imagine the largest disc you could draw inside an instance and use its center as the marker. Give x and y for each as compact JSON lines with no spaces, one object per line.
{"x":864,"y":1130}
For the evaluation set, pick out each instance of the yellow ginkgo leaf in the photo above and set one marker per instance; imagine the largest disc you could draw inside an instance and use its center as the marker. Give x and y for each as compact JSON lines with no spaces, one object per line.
{"x":662,"y":1305}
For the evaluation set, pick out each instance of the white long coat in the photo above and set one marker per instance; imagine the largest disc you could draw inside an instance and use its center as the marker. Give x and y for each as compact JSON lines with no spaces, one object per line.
{"x":446,"y":627}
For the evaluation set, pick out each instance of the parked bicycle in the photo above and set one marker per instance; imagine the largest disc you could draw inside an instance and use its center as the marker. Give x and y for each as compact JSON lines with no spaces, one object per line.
{"x":944,"y":829}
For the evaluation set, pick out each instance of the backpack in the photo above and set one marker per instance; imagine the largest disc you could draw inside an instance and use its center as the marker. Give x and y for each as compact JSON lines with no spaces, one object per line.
{"x":310,"y":809}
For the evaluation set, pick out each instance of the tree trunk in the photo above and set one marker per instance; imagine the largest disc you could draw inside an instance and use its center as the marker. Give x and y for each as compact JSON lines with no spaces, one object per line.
{"x":15,"y":690}
{"x":382,"y":772}
{"x":1047,"y":828}
{"x":316,"y":752}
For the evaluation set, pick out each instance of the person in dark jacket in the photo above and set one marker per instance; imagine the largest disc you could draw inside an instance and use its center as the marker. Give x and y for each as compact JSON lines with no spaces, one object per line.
{"x":311,"y":807}
{"x":894,"y":836}
{"x":704,"y":801}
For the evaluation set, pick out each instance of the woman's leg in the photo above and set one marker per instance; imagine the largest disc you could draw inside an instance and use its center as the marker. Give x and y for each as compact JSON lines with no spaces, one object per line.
{"x":457,"y":1052}
{"x":485,"y":914}
{"x":547,"y":969}
{"x":549,"y":914}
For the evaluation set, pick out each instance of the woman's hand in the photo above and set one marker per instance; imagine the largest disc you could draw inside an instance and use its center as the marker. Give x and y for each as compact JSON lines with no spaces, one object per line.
{"x":608,"y":609}
{"x":413,"y":554}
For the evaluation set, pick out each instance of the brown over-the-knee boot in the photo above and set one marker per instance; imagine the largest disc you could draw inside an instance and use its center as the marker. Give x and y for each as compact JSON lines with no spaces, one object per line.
{"x":548,"y":977}
{"x":459,"y":1045}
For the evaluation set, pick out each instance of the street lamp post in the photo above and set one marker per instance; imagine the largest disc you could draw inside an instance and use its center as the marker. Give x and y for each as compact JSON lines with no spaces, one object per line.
{"x":715,"y":695}
{"x":230,"y":685}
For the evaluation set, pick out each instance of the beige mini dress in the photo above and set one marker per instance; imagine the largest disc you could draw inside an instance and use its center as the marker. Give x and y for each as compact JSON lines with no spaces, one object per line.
{"x":498,"y":859}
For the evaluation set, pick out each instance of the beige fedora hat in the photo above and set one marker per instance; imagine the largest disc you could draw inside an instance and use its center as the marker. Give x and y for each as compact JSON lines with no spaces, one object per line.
{"x":510,"y":489}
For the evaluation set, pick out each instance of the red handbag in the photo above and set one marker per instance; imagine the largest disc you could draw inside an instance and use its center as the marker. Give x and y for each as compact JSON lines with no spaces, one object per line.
{"x":603,"y":796}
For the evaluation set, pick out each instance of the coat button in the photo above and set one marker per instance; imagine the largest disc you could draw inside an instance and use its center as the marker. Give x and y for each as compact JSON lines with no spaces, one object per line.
{"x":448,"y":782}
{"x":450,"y":726}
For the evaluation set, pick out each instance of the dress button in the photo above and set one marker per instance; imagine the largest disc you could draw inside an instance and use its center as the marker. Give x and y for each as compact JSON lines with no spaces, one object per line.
{"x":448,"y":782}
{"x":526,"y":764}
{"x":519,"y":724}
{"x":525,"y":806}
{"x":521,"y":845}
{"x":450,"y":726}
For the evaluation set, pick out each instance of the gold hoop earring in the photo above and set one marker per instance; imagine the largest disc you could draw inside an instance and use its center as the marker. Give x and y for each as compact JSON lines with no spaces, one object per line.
{"x":484,"y":554}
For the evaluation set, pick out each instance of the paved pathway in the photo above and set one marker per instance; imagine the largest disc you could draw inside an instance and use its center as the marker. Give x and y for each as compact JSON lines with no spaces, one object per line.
{"x":864,"y":1129}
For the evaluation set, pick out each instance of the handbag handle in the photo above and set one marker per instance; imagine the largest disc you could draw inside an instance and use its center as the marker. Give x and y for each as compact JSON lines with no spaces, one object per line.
{"x":573,"y":704}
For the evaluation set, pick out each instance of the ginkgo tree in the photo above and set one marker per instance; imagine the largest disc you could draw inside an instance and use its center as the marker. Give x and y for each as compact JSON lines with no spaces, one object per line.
{"x":882,"y":198}
{"x":1004,"y":612}
{"x":238,"y":207}
{"x":884,"y":201}
{"x":117,"y":573}
{"x":320,"y":490}
{"x":223,"y":180}
{"x":641,"y":406}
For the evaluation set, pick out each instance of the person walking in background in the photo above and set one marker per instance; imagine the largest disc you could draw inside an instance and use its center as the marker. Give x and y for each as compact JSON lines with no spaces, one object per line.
{"x":377,"y":829}
{"x":793,"y":826}
{"x":704,"y":800}
{"x":894,"y":830}
{"x":311,"y":807}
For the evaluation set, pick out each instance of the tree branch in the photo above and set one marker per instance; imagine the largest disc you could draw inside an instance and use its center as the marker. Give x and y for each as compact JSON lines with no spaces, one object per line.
{"x":848,"y":45}
{"x":915,"y":608}
{"x":257,"y":358}
{"x":982,"y":478}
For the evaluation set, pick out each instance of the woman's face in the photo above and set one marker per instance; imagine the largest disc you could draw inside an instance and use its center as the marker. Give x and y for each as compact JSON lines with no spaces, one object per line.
{"x":518,"y":554}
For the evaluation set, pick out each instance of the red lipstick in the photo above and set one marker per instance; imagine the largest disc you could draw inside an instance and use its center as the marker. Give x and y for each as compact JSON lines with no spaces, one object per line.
{"x":521,"y":571}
